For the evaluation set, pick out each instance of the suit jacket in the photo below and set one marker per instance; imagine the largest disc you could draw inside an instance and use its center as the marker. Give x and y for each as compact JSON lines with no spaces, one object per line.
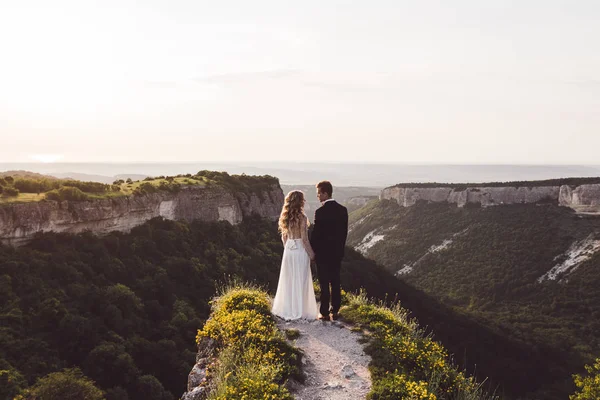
{"x":329,"y":233}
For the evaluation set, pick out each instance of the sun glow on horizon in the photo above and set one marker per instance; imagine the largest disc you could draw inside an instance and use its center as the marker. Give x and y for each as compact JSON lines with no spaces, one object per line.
{"x":46,"y":158}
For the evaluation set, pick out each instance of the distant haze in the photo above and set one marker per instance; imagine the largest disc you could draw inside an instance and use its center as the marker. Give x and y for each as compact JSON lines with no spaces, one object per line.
{"x":340,"y":174}
{"x":464,"y":81}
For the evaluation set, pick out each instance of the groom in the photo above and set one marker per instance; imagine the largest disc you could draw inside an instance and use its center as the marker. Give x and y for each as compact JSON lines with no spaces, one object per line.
{"x":328,"y":241}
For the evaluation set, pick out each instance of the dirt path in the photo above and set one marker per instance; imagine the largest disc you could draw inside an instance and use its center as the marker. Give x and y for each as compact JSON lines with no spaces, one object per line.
{"x":334,"y":361}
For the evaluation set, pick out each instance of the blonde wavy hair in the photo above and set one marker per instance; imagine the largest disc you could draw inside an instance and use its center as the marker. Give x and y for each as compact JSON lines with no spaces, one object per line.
{"x":292,"y":212}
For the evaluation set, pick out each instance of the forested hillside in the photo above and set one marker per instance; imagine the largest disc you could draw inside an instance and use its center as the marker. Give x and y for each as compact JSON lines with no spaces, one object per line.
{"x":125,"y":308}
{"x":496,"y":264}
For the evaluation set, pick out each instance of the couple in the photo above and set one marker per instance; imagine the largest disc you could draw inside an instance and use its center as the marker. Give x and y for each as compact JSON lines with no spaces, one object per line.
{"x":295,"y":297}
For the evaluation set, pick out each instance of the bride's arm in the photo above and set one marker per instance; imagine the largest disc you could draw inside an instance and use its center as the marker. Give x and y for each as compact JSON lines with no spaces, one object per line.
{"x":284,"y":237}
{"x":305,"y":241}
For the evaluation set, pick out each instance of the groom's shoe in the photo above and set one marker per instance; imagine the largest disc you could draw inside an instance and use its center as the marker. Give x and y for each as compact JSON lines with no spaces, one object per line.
{"x":321,"y":317}
{"x":335,"y":316}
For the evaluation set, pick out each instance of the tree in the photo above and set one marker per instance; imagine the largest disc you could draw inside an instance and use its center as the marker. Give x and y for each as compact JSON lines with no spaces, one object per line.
{"x":111,"y":365}
{"x":11,"y":191}
{"x":151,"y":389}
{"x":11,"y":381}
{"x":589,"y":386}
{"x":70,"y":384}
{"x":117,"y":393}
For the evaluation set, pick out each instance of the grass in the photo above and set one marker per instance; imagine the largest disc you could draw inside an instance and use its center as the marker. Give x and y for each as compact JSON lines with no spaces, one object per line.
{"x":251,"y":185}
{"x":127,"y":189}
{"x":22,"y":198}
{"x":292,"y":334}
{"x":406,"y":363}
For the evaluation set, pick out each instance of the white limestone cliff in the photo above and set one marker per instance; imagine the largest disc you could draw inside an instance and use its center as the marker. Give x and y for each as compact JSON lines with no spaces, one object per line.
{"x":19,"y":222}
{"x":582,"y":198}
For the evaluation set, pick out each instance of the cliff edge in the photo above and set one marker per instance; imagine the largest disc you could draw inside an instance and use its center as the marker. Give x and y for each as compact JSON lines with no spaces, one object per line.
{"x":20,"y":221}
{"x":583,"y":198}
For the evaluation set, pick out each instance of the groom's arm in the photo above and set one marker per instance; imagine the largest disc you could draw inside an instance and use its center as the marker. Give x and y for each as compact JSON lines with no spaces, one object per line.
{"x":315,"y":237}
{"x":344,"y":233}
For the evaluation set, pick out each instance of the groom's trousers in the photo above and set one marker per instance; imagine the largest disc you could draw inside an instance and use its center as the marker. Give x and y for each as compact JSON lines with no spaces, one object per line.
{"x":329,"y":273}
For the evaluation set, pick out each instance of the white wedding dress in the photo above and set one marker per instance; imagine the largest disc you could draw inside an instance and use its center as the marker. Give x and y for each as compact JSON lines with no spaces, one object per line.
{"x":295,"y":297}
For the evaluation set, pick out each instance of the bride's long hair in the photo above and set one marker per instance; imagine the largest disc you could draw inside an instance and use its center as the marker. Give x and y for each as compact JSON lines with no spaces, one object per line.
{"x":292,"y":211}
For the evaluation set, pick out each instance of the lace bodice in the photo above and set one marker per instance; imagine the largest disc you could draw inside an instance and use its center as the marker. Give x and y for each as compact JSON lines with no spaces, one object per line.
{"x":299,"y":232}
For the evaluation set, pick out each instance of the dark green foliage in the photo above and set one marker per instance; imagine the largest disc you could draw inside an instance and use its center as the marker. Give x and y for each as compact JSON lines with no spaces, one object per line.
{"x":169,"y":186}
{"x":48,"y":185}
{"x":150,"y":388}
{"x":243,"y":183}
{"x":69,"y":384}
{"x":88,"y":187}
{"x":124,"y":307}
{"x":145,"y":188}
{"x":482,"y":351}
{"x":10,"y":191}
{"x":30,"y":185}
{"x":67,"y":193}
{"x":490,"y":272}
{"x":11,"y":381}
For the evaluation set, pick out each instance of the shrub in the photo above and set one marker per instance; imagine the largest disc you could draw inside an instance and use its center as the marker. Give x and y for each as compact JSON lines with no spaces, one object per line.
{"x":70,"y":384}
{"x":292,"y":333}
{"x":30,"y":185}
{"x":406,"y":363}
{"x":53,"y":195}
{"x":172,"y":187}
{"x":66,"y":193}
{"x":398,"y":386}
{"x":10,"y":192}
{"x":589,"y":386}
{"x":11,"y":381}
{"x":88,"y":187}
{"x":239,"y":183}
{"x":254,"y":356}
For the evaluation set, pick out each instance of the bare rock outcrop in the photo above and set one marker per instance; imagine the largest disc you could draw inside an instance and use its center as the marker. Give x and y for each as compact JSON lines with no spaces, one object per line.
{"x":197,"y":388}
{"x":19,"y":222}
{"x":583,"y":198}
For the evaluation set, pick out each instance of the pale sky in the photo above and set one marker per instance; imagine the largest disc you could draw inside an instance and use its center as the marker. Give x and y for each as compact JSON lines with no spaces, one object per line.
{"x":370,"y":81}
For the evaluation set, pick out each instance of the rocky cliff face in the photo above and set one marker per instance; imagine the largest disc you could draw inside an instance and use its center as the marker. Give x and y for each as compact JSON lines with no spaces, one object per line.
{"x":582,"y":198}
{"x":19,"y":222}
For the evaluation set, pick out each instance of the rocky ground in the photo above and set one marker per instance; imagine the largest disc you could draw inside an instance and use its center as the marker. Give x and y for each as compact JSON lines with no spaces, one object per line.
{"x":334,"y":362}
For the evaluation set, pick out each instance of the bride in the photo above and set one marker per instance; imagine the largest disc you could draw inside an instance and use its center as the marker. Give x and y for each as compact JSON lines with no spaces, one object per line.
{"x":295,"y":297}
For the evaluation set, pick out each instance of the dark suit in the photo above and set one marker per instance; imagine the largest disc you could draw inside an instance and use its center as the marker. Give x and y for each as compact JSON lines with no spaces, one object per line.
{"x":328,"y":240}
